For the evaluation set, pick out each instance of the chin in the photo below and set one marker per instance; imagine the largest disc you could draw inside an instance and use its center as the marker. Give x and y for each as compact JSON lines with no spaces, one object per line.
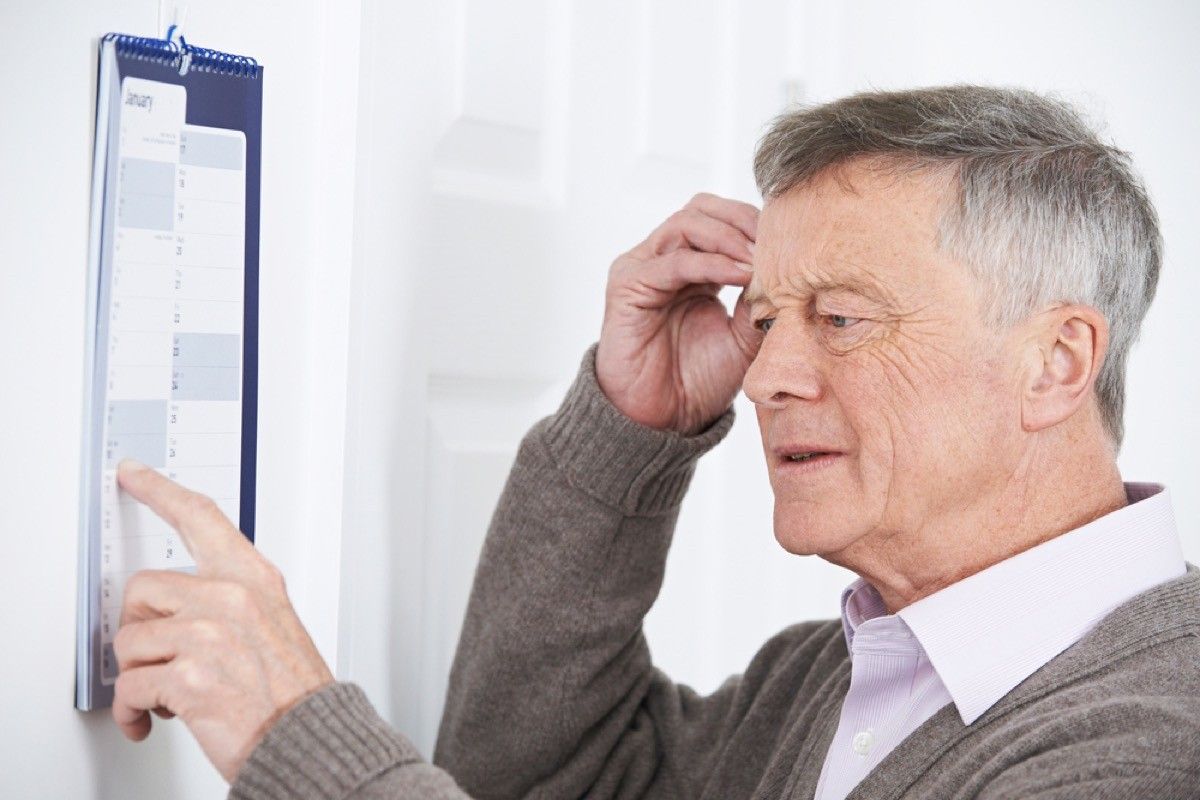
{"x":809,"y":532}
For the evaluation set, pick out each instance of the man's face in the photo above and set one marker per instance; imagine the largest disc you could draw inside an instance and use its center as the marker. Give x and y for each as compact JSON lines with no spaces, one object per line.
{"x":879,"y":357}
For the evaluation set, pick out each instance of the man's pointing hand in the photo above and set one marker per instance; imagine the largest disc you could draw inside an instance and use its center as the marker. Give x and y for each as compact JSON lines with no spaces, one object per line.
{"x":222,"y":649}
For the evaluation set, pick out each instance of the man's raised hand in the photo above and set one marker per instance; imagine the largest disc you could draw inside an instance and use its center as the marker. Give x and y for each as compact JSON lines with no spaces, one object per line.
{"x":222,"y":649}
{"x":670,"y":356}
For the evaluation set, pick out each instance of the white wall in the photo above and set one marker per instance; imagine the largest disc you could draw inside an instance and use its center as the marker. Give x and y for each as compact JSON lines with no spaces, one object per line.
{"x":48,"y":58}
{"x":443,"y":190}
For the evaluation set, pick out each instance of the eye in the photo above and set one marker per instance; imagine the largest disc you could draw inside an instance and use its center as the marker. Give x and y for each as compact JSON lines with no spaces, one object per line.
{"x":765,"y":324}
{"x":838,"y":321}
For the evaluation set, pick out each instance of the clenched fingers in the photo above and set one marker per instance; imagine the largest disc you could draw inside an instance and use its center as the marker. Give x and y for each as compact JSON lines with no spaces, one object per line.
{"x":693,"y":229}
{"x":138,"y":691}
{"x":154,"y":640}
{"x":161,"y":593}
{"x":742,"y":216}
{"x":674,"y":271}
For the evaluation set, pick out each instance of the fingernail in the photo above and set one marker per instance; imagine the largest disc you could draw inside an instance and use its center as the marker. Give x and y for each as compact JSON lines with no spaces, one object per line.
{"x":750,"y":247}
{"x":130,"y":465}
{"x":745,"y":266}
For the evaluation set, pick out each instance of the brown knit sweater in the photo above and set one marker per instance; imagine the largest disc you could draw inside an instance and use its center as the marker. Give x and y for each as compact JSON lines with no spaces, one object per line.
{"x":553,"y":694}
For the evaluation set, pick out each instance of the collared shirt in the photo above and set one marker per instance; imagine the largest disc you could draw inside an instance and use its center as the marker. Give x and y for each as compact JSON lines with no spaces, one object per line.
{"x":972,"y":642}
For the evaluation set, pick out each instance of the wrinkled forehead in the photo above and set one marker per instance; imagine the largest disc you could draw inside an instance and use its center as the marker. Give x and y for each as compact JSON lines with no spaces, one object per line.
{"x":860,"y":226}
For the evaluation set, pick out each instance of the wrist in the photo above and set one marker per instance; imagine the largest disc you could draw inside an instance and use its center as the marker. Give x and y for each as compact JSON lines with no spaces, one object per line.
{"x":642,"y":469}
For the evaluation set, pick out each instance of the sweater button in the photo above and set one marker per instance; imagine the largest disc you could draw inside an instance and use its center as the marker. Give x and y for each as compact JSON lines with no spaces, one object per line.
{"x":862,"y":741}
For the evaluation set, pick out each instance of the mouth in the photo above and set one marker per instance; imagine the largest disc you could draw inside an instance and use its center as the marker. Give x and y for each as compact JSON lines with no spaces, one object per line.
{"x":804,"y":458}
{"x":796,"y":457}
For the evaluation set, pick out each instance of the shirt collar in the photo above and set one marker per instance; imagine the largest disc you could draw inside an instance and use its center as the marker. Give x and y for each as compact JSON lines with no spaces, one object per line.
{"x":991,"y":630}
{"x":860,"y":602}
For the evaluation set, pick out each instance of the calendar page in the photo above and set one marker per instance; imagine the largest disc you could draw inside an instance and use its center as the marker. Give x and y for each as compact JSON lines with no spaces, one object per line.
{"x":169,"y":348}
{"x":171,"y":351}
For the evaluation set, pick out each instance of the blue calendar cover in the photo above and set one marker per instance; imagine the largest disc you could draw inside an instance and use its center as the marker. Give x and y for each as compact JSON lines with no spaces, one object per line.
{"x":171,"y":377}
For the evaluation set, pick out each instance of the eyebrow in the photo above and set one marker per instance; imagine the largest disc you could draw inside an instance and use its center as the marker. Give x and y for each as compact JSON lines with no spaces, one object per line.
{"x":754,"y":293}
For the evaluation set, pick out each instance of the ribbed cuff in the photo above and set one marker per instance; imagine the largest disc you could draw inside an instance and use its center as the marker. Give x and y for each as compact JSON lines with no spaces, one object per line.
{"x":326,"y":746}
{"x":641,"y":470}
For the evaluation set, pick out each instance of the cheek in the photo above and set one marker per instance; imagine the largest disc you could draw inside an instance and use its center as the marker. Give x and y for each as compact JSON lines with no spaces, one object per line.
{"x":912,"y":417}
{"x":871,"y":409}
{"x":764,"y":427}
{"x":764,"y":424}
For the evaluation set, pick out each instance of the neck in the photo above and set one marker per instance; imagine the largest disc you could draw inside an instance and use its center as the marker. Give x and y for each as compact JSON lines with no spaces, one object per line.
{"x":1042,"y":497}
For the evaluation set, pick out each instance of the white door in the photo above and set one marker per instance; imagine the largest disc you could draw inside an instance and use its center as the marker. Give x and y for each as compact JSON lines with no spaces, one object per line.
{"x":507,"y":153}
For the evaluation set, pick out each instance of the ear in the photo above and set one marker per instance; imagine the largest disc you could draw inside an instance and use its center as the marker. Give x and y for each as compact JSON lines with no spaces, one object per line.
{"x":1064,"y":352}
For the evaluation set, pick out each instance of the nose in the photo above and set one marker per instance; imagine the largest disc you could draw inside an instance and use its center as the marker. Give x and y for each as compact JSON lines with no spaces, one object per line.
{"x":784,"y":369}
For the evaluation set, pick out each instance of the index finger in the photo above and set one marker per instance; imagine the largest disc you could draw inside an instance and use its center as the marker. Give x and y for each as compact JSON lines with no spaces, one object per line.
{"x":742,"y":216}
{"x":208,"y":535}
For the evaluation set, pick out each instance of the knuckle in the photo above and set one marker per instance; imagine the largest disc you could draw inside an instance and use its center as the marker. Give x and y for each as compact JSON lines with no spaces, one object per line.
{"x":208,"y":631}
{"x":238,"y":596}
{"x":699,"y":198}
{"x":122,"y":686}
{"x":200,"y":505}
{"x":272,"y":577}
{"x":679,"y":259}
{"x":135,"y":584}
{"x":622,"y":270}
{"x":681,"y":216}
{"x":191,"y":674}
{"x":121,"y":639}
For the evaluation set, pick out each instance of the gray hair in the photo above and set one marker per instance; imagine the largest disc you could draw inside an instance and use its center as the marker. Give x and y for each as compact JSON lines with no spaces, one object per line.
{"x":1045,"y":211}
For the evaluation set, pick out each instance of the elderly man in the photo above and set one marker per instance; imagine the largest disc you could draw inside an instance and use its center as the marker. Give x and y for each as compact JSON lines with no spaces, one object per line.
{"x":945,"y":288}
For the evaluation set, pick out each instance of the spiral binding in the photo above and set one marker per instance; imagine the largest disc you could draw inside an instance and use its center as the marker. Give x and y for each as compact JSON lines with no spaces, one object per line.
{"x":183,"y":55}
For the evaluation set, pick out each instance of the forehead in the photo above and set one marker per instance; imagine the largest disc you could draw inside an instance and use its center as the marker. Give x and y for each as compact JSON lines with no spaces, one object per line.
{"x":861,"y":225}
